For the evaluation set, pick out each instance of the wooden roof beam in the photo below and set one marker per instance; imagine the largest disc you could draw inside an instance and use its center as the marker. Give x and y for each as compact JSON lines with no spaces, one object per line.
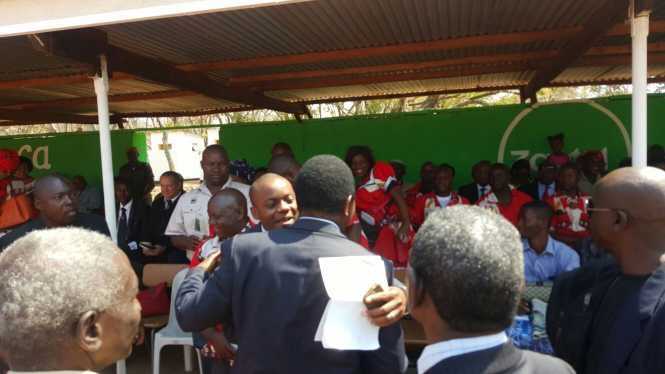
{"x":86,"y":45}
{"x":597,"y":26}
{"x":39,"y":117}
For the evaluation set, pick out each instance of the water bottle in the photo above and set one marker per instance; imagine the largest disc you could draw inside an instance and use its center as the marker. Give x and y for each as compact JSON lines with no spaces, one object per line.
{"x":521,"y":333}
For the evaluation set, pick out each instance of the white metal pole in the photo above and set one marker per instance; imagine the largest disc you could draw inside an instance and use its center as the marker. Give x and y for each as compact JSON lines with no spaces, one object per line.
{"x":101,"y":90}
{"x":639,"y":33}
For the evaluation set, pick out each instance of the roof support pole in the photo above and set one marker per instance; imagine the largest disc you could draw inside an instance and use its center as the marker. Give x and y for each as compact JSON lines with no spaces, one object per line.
{"x":101,"y":90}
{"x":639,"y":34}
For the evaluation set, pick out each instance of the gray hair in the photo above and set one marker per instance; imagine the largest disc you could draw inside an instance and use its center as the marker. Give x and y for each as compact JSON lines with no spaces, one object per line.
{"x":48,"y":279}
{"x":469,"y":261}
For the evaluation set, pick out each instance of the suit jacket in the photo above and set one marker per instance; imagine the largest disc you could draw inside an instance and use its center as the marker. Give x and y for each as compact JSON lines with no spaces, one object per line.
{"x":137,"y":218}
{"x":578,"y":297}
{"x":153,"y":230}
{"x":470,"y":192}
{"x":530,"y":189}
{"x":269,"y":288}
{"x":503,"y":359}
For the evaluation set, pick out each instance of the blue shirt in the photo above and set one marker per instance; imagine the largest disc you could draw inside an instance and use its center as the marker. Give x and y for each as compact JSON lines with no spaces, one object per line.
{"x":549,"y":188}
{"x":556,"y":259}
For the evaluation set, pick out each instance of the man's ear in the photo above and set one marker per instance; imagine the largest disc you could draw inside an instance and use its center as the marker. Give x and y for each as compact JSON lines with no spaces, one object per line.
{"x":621,"y":221}
{"x":89,"y":332}
{"x":349,"y":209}
{"x":38,"y":203}
{"x":254,"y":213}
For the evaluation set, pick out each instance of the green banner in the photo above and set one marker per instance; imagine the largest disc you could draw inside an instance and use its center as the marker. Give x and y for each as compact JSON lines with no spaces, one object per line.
{"x":459,"y":137}
{"x":74,"y":153}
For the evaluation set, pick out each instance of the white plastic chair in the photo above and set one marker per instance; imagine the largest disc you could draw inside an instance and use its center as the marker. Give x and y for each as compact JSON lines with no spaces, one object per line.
{"x":172,"y":334}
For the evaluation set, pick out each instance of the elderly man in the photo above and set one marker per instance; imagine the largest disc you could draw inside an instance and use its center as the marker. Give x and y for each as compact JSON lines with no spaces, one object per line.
{"x":269,"y":287}
{"x":67,"y":302}
{"x":189,"y":222}
{"x":610,"y":319}
{"x":57,"y":208}
{"x":465,"y":280}
{"x":156,"y":246}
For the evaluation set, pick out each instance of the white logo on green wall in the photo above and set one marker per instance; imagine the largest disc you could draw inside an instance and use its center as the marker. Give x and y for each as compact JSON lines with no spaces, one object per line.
{"x":585,"y":124}
{"x":39,"y":156}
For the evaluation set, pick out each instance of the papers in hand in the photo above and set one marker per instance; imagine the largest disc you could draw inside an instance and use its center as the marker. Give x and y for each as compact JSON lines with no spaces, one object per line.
{"x":347,"y":280}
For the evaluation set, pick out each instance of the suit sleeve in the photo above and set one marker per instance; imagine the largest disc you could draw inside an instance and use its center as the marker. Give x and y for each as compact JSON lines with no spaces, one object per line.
{"x":391,"y":356}
{"x":200,"y":304}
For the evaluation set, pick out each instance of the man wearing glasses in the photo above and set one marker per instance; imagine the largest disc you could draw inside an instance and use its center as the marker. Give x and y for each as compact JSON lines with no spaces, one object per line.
{"x":610,"y":319}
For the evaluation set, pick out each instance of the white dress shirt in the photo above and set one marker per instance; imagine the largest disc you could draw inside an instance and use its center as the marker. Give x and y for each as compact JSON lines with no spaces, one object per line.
{"x":128,"y":210}
{"x":483,"y":190}
{"x":435,"y":353}
{"x":190,"y":216}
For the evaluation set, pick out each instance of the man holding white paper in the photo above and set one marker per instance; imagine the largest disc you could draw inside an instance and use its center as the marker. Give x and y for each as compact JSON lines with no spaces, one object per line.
{"x":270,"y":287}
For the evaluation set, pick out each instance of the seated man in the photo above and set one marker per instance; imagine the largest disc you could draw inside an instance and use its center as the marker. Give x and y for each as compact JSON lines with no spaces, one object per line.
{"x":227,"y":212}
{"x":481,"y":182}
{"x":90,"y":199}
{"x":443,"y":195}
{"x":132,"y":216}
{"x":68,"y":302}
{"x":545,"y":184}
{"x":544,"y":257}
{"x":57,"y":208}
{"x":503,"y":199}
{"x":465,"y":280}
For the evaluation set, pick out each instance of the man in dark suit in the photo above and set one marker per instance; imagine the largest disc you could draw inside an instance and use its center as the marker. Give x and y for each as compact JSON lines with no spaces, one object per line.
{"x":157,"y":247}
{"x":480,"y":186}
{"x":132,"y":215}
{"x":57,"y":207}
{"x":545,"y":184}
{"x":269,"y":287}
{"x":465,"y":280}
{"x":612,"y":317}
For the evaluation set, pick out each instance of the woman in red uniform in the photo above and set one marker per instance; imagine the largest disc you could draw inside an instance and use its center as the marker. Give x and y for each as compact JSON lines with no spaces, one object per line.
{"x":381,"y":208}
{"x":571,"y":218}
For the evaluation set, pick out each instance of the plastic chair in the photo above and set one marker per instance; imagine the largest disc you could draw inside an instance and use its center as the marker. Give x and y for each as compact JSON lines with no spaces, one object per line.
{"x":172,"y":334}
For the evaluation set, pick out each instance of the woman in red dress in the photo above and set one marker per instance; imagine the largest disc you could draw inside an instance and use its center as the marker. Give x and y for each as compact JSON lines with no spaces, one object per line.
{"x":381,"y":208}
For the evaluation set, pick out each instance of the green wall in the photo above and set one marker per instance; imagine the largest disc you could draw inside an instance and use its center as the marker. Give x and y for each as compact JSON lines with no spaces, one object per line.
{"x":459,"y":137}
{"x":74,"y":153}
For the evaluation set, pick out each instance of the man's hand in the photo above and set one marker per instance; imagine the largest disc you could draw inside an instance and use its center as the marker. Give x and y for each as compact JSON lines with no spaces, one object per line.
{"x":221,"y":346}
{"x":392,"y":306}
{"x":210,"y":263}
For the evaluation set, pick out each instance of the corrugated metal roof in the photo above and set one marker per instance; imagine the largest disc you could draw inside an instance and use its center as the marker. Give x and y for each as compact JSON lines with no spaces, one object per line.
{"x":324,"y":26}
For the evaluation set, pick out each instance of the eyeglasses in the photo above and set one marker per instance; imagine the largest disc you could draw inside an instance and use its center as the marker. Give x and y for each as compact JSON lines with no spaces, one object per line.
{"x":590,"y":208}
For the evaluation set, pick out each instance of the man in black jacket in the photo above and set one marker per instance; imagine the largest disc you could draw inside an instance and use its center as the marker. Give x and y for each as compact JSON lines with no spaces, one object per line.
{"x":545,"y":184}
{"x":465,"y":280}
{"x":481,"y":182}
{"x":56,"y":204}
{"x":609,"y":319}
{"x":157,"y":247}
{"x":269,"y":287}
{"x":132,"y":216}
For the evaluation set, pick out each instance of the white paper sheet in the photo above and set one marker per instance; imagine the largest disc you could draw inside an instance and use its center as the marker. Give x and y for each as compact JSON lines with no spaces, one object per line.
{"x":347,"y":280}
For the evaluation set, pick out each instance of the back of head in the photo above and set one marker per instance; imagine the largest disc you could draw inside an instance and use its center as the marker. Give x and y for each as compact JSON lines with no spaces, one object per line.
{"x":324,"y":185}
{"x":228,"y":198}
{"x":48,"y":279}
{"x":469,"y":261}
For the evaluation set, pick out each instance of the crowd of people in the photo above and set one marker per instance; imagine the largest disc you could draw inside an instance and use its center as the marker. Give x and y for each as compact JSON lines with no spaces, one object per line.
{"x":254,"y":295}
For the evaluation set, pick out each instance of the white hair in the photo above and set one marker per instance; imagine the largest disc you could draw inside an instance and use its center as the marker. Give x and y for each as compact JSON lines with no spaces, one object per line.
{"x":48,"y":279}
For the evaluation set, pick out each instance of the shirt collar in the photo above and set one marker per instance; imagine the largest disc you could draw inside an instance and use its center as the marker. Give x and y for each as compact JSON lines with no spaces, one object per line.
{"x":127,"y":206}
{"x":549,"y":248}
{"x":435,"y":353}
{"x":204,"y":187}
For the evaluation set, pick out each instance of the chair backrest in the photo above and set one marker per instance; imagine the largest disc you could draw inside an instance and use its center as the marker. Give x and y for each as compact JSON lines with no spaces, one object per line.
{"x":172,"y":326}
{"x":155,"y":274}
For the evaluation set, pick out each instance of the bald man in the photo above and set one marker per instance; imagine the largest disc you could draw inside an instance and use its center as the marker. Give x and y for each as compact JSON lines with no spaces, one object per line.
{"x":284,"y":165}
{"x":616,"y":311}
{"x":57,"y":207}
{"x":273,"y":202}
